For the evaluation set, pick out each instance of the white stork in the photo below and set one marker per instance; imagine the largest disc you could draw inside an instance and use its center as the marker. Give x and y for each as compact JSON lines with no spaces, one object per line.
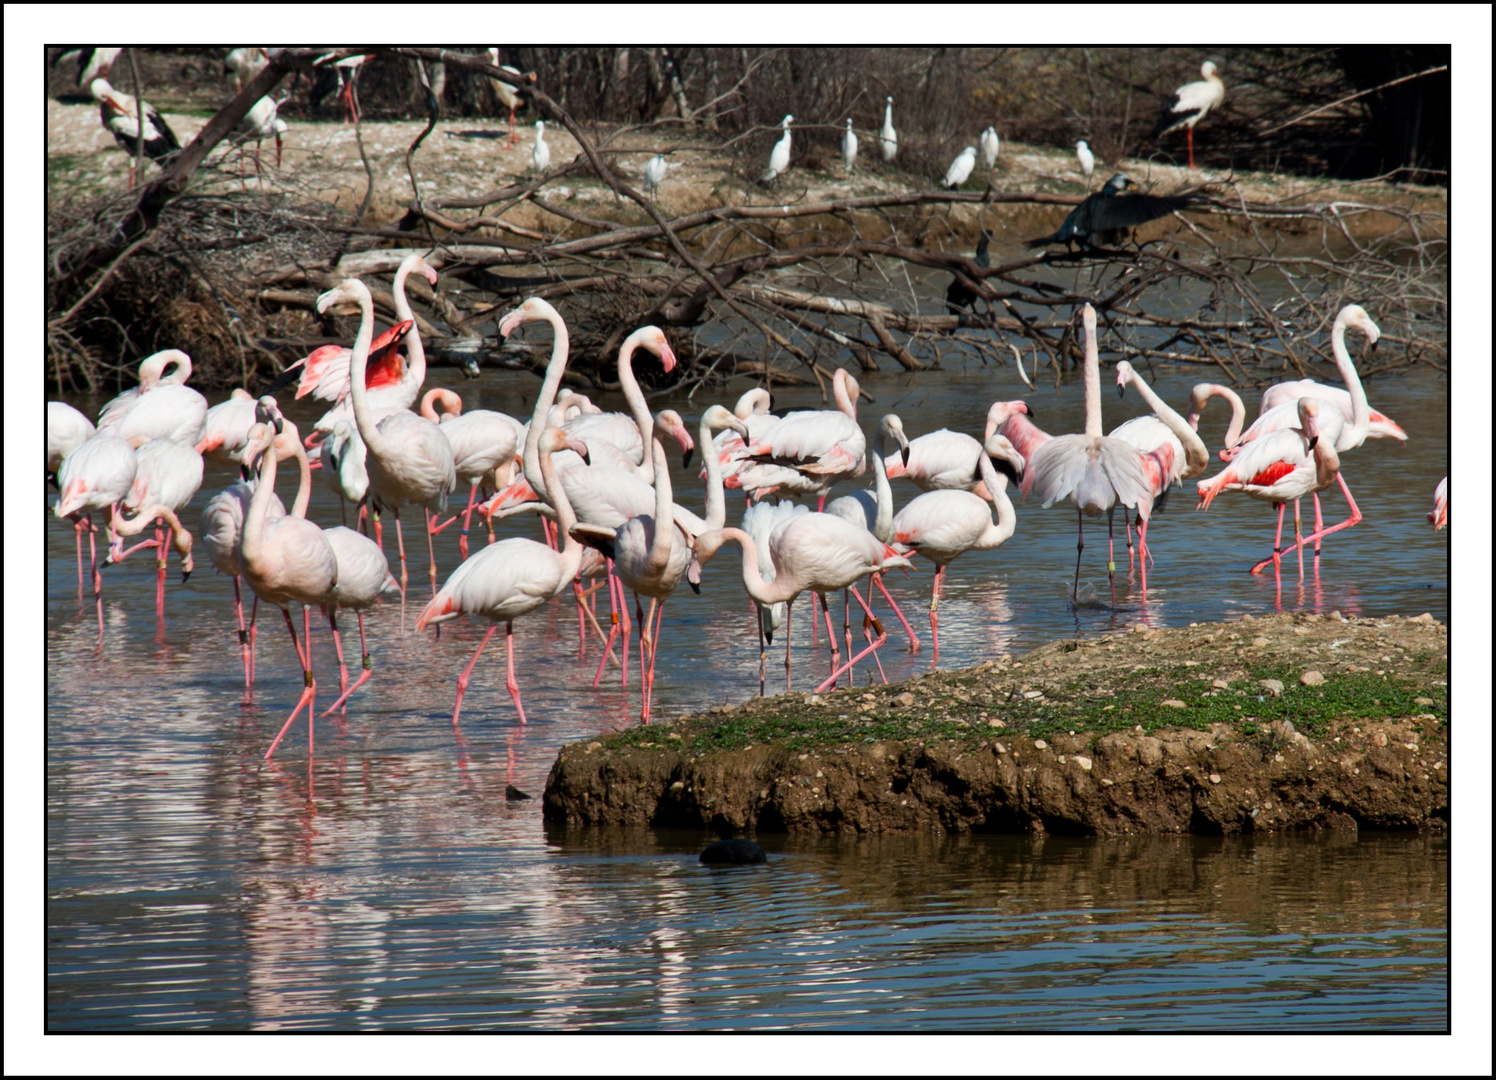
{"x":508,"y":95}
{"x":1190,"y":104}
{"x":849,"y":146}
{"x":118,"y":112}
{"x":989,"y":148}
{"x":244,"y":64}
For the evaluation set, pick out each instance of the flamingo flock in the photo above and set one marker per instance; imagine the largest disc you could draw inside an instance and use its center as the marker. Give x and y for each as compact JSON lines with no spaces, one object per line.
{"x":602,"y":488}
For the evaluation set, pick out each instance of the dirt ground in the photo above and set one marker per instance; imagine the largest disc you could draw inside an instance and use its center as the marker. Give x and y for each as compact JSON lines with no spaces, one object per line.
{"x":1277,"y":723}
{"x":467,"y":157}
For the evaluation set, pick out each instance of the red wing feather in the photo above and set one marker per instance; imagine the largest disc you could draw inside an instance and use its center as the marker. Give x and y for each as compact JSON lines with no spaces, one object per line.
{"x":1272,"y":474}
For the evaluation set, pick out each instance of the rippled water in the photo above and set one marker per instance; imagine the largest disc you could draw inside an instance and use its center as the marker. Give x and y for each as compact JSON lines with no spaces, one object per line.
{"x":390,"y":883}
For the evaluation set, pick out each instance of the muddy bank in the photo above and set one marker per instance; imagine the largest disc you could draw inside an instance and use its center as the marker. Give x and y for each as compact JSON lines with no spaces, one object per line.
{"x":1289,"y":722}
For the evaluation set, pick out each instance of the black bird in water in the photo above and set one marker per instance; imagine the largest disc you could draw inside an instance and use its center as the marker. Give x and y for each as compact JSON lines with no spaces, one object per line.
{"x":1101,"y":218}
{"x":958,"y":295}
{"x":730,"y":851}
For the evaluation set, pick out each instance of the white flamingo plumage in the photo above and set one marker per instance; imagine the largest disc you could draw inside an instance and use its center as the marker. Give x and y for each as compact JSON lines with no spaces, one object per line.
{"x":67,"y":429}
{"x":408,"y":458}
{"x":167,"y":474}
{"x":485,"y":447}
{"x":513,"y":577}
{"x":94,"y":476}
{"x":941,"y":525}
{"x":226,"y":428}
{"x":161,"y":407}
{"x":1439,"y":516}
{"x":220,"y":527}
{"x":824,"y":445}
{"x":1095,"y":472}
{"x":344,"y":468}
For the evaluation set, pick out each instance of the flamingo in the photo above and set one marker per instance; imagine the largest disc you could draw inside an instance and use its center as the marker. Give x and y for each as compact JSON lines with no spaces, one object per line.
{"x":1189,"y":105}
{"x":1086,"y":158}
{"x":286,"y":559}
{"x":759,"y":522}
{"x":1172,"y":452}
{"x":1094,"y":471}
{"x":888,"y":138}
{"x":1282,"y":466}
{"x":161,"y":407}
{"x":947,"y":460}
{"x":226,"y":428}
{"x":940,"y":525}
{"x":873,"y":510}
{"x":514,"y":576}
{"x":989,"y":146}
{"x":630,"y":432}
{"x":730,"y":447}
{"x":344,"y":467}
{"x":363,"y":571}
{"x":818,"y":552}
{"x":849,"y":147}
{"x":779,"y":156}
{"x":823,"y":445}
{"x":654,"y":174}
{"x":1100,"y":218}
{"x":483,"y":443}
{"x":507,"y":94}
{"x":1346,"y":432}
{"x":391,"y":384}
{"x":1200,"y":395}
{"x":166,"y":473}
{"x":120,"y":114}
{"x":960,"y":169}
{"x":181,"y":538}
{"x":540,"y":153}
{"x":221,"y":526}
{"x":67,"y":429}
{"x":409,"y":459}
{"x":95,"y":476}
{"x":1439,"y":516}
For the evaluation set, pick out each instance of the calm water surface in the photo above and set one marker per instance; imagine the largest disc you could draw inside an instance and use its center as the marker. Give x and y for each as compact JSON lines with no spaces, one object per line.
{"x":389,"y":883}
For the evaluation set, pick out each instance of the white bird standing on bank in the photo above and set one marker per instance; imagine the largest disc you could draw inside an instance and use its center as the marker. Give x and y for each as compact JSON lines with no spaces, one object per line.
{"x":654,"y":173}
{"x":540,"y":156}
{"x":849,"y":146}
{"x":960,"y":169}
{"x":779,"y":157}
{"x":1086,"y":158}
{"x":1189,"y":105}
{"x":989,"y":148}
{"x":889,"y":138}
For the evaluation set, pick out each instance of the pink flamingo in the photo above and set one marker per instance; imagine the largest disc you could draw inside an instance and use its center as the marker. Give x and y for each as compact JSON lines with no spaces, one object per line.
{"x":221,"y":526}
{"x":873,"y":511}
{"x":1171,"y":450}
{"x":948,"y":460}
{"x":730,"y":447}
{"x":1281,"y":466}
{"x":162,"y":408}
{"x":344,"y":467}
{"x":759,"y":522}
{"x":286,"y":559}
{"x":512,"y":577}
{"x":817,"y":552}
{"x":824,"y":445}
{"x":1346,"y":433}
{"x":169,"y":367}
{"x":95,"y":476}
{"x":484,"y":449}
{"x":409,"y":459}
{"x":940,"y":525}
{"x":1439,"y":516}
{"x":1096,"y":472}
{"x":181,"y":538}
{"x":1200,"y":396}
{"x":166,"y":473}
{"x":629,"y":432}
{"x":226,"y":428}
{"x":67,"y":429}
{"x":363,"y":571}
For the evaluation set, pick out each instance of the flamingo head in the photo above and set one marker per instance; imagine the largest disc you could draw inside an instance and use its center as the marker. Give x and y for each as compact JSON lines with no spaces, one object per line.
{"x":670,"y":422}
{"x":350,"y":291}
{"x":416,"y":264}
{"x":892,"y":425}
{"x":532,"y":309}
{"x":1005,"y":457}
{"x":1309,"y":419}
{"x":1124,"y":376}
{"x":717,"y":417}
{"x":1354,"y":317}
{"x":553,"y":440}
{"x":653,"y":339}
{"x":268,"y":412}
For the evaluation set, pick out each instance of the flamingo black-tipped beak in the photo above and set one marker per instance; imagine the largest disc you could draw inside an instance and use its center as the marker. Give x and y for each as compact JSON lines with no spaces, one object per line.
{"x":685,"y":458}
{"x":904,"y":453}
{"x":695,"y":588}
{"x":1313,"y":441}
{"x":185,"y":575}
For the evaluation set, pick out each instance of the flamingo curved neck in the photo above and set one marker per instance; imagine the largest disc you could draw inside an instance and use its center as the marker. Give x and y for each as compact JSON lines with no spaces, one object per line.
{"x":358,"y":369}
{"x":1007,"y":519}
{"x":716,"y":498}
{"x":554,"y":370}
{"x":1093,"y":376}
{"x":883,"y":520}
{"x":1196,"y":456}
{"x":767,"y":593}
{"x":451,"y":404}
{"x":638,"y":407}
{"x":415,"y":351}
{"x":304,"y":485}
{"x":664,"y":521}
{"x":571,"y":548}
{"x":251,"y":542}
{"x":844,"y":400}
{"x":1355,"y":435}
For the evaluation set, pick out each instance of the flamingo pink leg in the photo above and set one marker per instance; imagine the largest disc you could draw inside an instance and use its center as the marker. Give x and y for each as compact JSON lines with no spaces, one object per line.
{"x":309,"y":691}
{"x":243,"y":634}
{"x":368,"y":666}
{"x":913,"y":641}
{"x":467,"y":674}
{"x":934,"y":609}
{"x":431,"y":546}
{"x":1276,"y":557}
{"x":509,"y":679}
{"x":1346,"y":524}
{"x":404,"y":576}
{"x":879,"y":640}
{"x":337,"y":640}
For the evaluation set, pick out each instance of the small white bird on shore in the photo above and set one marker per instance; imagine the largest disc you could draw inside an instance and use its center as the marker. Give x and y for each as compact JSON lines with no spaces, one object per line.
{"x":540,"y":156}
{"x":889,"y":137}
{"x":1086,"y":158}
{"x":961,"y":168}
{"x":654,"y":173}
{"x":989,"y":148}
{"x":779,"y":157}
{"x":849,"y":147}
